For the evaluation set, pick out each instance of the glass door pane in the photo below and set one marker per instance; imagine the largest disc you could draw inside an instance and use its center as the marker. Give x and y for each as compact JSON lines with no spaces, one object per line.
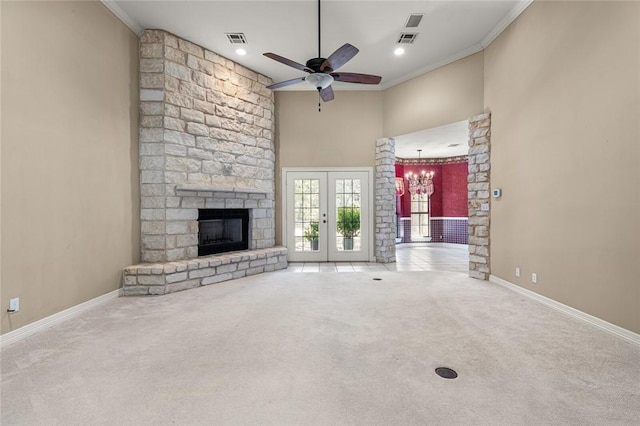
{"x":348,"y":212}
{"x":348,"y":216}
{"x":306,"y":214}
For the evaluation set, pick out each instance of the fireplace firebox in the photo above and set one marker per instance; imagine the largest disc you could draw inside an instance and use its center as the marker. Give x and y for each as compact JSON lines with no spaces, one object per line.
{"x":222,"y":230}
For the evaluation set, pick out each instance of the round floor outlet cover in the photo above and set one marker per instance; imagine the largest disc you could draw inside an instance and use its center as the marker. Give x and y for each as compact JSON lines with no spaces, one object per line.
{"x":446,"y":373}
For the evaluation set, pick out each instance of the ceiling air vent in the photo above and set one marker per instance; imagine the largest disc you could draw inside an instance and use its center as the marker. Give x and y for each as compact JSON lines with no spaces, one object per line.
{"x":414,"y":20}
{"x":407,"y":38}
{"x":236,"y":38}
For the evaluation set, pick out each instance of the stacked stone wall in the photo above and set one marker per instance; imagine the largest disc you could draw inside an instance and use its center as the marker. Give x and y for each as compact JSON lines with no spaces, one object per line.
{"x":479,"y":196}
{"x":205,"y":122}
{"x":385,"y":201}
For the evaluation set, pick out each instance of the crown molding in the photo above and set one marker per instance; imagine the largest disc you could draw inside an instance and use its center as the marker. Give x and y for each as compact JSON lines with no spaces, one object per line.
{"x":460,"y":55}
{"x":120,"y":14}
{"x":432,"y":161}
{"x":505,"y":22}
{"x":497,"y":30}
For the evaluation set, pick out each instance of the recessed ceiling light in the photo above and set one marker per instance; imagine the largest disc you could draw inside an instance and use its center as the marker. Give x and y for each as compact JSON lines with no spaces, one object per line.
{"x":399,"y":51}
{"x":241,"y":52}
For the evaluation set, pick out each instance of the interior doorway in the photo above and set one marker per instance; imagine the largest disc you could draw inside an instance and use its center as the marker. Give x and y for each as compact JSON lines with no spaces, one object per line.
{"x":439,"y":157}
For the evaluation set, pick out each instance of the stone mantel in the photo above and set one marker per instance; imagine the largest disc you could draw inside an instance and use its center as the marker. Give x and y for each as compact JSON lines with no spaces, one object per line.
{"x":211,"y":188}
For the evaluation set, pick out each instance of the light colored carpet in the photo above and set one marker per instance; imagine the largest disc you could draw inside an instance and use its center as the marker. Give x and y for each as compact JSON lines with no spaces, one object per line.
{"x":324,"y":349}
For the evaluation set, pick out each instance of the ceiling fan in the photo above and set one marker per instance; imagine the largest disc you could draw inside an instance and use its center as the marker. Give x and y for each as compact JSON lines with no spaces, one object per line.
{"x":323,"y":71}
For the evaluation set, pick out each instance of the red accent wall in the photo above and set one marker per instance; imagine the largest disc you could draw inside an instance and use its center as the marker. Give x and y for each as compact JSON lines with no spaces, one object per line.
{"x":449,"y":198}
{"x":454,"y":190}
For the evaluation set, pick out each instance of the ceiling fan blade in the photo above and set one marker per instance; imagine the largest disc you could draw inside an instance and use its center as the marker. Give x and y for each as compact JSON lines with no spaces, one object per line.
{"x":339,"y":57}
{"x":286,"y":83}
{"x":350,"y":77}
{"x":289,"y":62}
{"x":327,"y":94}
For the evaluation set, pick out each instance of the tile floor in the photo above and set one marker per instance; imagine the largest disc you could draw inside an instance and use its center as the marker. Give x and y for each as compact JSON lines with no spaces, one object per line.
{"x":409,"y":257}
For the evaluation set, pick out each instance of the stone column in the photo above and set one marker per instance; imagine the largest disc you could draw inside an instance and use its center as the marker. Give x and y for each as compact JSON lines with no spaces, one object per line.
{"x":385,"y":201}
{"x":479,"y":197}
{"x":152,"y":150}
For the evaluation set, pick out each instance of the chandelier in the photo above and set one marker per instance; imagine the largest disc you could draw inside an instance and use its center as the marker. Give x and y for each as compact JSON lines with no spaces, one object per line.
{"x":420,"y":183}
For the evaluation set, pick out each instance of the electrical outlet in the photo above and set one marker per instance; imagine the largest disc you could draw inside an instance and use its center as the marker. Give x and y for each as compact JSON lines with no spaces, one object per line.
{"x":534,"y":278}
{"x":14,"y":305}
{"x":517,"y":272}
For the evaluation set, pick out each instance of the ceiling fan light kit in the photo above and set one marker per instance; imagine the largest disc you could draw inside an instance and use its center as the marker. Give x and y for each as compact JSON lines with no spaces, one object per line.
{"x":322,"y":71}
{"x":319,"y":80}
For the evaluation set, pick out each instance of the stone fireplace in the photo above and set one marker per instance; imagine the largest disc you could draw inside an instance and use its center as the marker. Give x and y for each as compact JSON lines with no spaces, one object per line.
{"x":206,"y":143}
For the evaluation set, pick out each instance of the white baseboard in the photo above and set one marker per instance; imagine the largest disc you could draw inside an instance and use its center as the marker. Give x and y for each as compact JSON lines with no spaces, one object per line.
{"x":617,"y":331}
{"x":40,"y":325}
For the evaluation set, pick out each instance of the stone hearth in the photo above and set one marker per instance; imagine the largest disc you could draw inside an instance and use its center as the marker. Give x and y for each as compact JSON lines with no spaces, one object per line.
{"x":169,"y":277}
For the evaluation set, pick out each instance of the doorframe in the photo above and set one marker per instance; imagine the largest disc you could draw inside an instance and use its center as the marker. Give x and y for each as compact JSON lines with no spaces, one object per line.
{"x":370,"y":205}
{"x":479,"y":202}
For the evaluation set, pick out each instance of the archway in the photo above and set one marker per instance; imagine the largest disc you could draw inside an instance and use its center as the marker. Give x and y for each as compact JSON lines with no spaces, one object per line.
{"x":478,"y":198}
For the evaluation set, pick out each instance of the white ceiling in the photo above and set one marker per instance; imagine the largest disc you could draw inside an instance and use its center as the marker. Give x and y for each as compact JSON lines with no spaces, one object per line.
{"x":435,"y":142}
{"x":450,"y":30}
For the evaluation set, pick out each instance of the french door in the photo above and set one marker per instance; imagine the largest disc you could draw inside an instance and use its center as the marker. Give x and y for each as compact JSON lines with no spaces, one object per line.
{"x":326,"y":215}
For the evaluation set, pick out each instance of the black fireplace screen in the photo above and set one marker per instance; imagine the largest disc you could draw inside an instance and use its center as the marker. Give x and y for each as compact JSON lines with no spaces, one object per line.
{"x":222,"y":230}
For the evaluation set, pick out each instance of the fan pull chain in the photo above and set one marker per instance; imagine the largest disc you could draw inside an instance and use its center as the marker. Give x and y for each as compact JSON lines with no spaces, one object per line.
{"x":319,"y":110}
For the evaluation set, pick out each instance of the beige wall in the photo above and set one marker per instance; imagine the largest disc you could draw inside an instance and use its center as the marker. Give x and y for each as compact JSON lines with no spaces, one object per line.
{"x":563,"y":86}
{"x":69,"y":156}
{"x":448,"y":94}
{"x":342,"y":135}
